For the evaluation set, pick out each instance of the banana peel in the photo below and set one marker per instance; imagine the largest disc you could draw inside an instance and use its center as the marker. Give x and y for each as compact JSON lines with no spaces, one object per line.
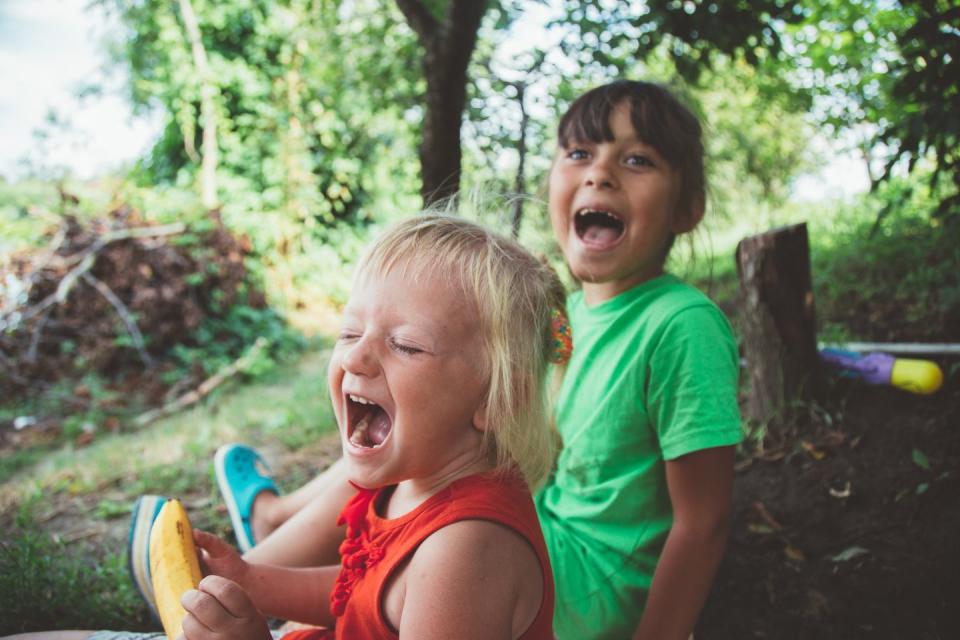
{"x":174,"y":565}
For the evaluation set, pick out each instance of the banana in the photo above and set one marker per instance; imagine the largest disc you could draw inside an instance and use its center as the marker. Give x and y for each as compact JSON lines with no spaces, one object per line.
{"x":174,"y":566}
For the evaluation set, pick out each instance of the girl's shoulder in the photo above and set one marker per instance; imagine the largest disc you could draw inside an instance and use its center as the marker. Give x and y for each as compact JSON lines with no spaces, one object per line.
{"x":654,"y":301}
{"x":676,"y":294}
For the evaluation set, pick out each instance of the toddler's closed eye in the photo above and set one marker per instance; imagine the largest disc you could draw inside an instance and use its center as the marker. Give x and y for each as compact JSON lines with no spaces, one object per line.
{"x":407,"y":349}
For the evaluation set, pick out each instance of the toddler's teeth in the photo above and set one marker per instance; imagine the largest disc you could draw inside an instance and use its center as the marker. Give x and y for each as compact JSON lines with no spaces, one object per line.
{"x":359,"y":431}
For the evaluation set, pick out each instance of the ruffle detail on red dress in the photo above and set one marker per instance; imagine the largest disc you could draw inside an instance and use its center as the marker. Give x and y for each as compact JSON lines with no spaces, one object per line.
{"x":357,"y":552}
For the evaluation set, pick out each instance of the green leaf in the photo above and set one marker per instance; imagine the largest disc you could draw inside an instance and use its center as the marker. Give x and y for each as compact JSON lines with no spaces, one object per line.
{"x":849,"y":554}
{"x":920,"y":459}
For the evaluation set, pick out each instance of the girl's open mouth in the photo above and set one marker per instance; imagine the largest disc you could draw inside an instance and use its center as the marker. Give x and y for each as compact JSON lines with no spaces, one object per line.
{"x":597,"y":228}
{"x":368,"y":425}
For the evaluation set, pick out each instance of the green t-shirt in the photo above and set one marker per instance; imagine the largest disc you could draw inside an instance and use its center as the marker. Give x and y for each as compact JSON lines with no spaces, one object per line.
{"x":653,"y":376}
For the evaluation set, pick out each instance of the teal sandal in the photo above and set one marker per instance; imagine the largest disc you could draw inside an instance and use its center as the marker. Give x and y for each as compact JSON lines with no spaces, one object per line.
{"x":241,"y":475}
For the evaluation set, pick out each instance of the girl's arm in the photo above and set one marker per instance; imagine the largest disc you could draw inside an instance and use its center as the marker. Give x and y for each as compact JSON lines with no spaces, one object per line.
{"x":700,"y":485}
{"x":472,"y":580}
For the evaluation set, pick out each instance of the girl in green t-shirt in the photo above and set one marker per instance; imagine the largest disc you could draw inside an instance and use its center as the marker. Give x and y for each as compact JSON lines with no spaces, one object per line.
{"x":635,"y":514}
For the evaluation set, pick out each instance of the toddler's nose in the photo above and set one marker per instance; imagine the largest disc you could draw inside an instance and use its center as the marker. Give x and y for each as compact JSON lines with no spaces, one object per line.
{"x":360,"y":359}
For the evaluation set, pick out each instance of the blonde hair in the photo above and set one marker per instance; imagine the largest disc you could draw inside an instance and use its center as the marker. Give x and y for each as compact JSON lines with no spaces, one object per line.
{"x":514,"y":295}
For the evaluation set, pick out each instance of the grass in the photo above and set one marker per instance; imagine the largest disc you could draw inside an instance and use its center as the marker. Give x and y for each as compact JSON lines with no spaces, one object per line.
{"x":898,"y":282}
{"x":57,"y":571}
{"x":45,"y":582}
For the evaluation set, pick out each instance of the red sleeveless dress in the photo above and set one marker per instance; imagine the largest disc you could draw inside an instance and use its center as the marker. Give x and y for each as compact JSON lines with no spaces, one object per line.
{"x":375,"y":547}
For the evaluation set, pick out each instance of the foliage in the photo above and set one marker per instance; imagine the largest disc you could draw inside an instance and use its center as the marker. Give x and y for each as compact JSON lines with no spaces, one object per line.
{"x":44,"y":582}
{"x":220,"y":340}
{"x":297,"y":116}
{"x":900,"y":284}
{"x":926,"y":88}
{"x":883,"y":76}
{"x":694,"y":32}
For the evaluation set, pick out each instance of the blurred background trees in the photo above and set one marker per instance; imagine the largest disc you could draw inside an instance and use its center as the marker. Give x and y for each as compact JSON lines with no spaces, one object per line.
{"x":321,"y":103}
{"x":308,"y":123}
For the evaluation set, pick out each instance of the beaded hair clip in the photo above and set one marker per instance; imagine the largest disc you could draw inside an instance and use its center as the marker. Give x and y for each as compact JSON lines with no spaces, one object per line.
{"x":561,"y":338}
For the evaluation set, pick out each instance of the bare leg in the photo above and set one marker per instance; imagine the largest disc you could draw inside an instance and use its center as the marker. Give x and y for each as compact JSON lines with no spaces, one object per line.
{"x":305,"y":533}
{"x":271,"y":510}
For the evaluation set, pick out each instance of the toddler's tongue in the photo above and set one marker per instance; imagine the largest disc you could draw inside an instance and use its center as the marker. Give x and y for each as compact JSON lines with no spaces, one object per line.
{"x":379,"y":427}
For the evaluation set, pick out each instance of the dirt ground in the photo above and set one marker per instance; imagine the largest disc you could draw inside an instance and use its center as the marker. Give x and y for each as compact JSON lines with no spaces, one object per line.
{"x":852,"y":528}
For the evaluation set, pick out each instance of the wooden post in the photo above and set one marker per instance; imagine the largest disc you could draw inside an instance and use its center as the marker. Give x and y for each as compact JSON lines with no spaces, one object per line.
{"x":779,"y":331}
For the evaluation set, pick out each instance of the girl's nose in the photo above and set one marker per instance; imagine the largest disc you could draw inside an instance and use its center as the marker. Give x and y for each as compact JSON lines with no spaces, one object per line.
{"x":360,"y":359}
{"x":599,"y":174}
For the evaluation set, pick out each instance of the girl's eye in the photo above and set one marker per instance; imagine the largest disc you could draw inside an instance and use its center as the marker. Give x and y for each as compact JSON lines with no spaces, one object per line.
{"x":639,"y":160}
{"x":577,"y":154}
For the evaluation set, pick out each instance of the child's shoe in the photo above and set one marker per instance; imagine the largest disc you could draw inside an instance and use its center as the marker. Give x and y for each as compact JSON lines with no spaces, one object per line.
{"x":241,"y":475}
{"x":145,"y":511}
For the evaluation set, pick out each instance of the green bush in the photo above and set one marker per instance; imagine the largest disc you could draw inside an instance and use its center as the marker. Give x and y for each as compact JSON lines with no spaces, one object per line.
{"x":896,"y":281}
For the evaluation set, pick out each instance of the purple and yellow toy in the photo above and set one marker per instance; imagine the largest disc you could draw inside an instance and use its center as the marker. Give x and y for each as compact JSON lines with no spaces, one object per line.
{"x":916,"y":376}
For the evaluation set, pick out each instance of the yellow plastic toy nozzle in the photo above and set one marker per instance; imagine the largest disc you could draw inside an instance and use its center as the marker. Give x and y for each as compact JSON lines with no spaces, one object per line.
{"x":916,"y":376}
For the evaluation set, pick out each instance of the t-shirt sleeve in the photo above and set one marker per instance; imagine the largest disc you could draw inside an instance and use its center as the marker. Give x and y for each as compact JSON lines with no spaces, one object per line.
{"x":692,"y":383}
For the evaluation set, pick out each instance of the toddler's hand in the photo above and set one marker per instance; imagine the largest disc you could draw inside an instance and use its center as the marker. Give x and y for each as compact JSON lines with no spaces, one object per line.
{"x":220,"y":608}
{"x":219,"y":558}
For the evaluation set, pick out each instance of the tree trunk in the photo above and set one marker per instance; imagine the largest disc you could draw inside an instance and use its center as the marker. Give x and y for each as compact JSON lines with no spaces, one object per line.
{"x":779,"y":330}
{"x":208,"y":108}
{"x":520,"y":185}
{"x":447,"y":47}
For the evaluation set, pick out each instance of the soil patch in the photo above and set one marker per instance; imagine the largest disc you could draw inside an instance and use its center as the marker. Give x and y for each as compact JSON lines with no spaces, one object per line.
{"x":851,"y":529}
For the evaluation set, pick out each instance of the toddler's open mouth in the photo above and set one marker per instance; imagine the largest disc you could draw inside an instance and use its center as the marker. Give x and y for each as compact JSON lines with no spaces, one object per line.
{"x":598,"y":228}
{"x":368,"y":425}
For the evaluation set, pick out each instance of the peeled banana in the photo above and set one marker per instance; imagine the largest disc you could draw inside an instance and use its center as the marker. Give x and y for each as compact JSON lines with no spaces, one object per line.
{"x":174,"y":567}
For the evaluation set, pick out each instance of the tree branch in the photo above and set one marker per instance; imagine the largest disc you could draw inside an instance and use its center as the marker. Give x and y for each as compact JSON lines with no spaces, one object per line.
{"x":31,"y":356}
{"x":208,"y":385}
{"x":208,"y":114}
{"x":124,"y":314}
{"x":419,"y":19}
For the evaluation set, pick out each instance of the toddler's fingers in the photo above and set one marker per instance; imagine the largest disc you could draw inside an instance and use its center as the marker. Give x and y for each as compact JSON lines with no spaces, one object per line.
{"x":205,"y":614}
{"x":210,"y":543}
{"x":193,"y":629}
{"x":229,"y":595}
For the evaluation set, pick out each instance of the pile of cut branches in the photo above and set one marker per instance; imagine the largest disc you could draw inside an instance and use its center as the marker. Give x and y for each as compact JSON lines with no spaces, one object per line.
{"x":112,"y":296}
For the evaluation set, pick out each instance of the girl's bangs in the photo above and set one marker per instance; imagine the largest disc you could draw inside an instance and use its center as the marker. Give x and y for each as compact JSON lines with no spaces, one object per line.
{"x":651,"y":114}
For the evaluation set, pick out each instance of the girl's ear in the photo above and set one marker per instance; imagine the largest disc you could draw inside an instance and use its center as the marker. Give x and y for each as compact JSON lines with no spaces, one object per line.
{"x":687,"y":220}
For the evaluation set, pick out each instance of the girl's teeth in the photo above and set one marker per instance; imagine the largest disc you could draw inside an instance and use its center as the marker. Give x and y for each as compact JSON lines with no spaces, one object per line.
{"x":360,"y":400}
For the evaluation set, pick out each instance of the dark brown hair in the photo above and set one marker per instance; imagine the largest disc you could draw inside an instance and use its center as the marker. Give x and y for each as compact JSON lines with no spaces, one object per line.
{"x":659,"y":120}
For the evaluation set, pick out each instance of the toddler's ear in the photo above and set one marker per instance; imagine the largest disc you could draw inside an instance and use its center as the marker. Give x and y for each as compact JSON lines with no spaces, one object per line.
{"x":480,"y":417}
